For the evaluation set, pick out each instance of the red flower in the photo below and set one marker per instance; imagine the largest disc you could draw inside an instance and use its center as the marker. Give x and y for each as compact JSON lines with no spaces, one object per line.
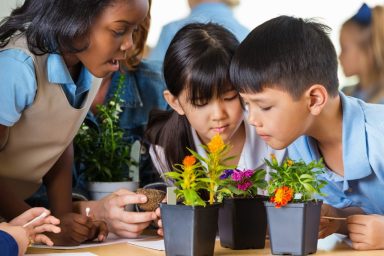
{"x":282,"y":196}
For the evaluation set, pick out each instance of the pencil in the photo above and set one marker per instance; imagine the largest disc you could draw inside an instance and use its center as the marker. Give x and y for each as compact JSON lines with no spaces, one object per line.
{"x":41,"y":216}
{"x":87,"y":210}
{"x":333,"y":218}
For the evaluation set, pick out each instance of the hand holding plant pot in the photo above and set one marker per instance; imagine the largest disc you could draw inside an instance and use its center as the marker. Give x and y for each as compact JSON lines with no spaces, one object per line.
{"x":293,"y":212}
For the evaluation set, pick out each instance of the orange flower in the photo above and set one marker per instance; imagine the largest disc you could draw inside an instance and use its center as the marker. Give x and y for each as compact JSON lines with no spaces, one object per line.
{"x":216,"y":144}
{"x":282,"y":196}
{"x":289,"y":162}
{"x":188,"y":161}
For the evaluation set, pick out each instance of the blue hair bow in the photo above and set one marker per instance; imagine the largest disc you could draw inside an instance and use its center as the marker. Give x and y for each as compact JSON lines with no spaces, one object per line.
{"x":363,"y":15}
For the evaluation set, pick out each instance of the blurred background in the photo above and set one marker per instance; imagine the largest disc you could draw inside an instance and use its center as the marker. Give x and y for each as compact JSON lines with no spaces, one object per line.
{"x":252,"y":13}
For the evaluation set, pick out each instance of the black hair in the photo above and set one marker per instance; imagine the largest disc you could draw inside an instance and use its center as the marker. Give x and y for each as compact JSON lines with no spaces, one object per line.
{"x":286,"y":53}
{"x":197,"y":60}
{"x":52,"y":25}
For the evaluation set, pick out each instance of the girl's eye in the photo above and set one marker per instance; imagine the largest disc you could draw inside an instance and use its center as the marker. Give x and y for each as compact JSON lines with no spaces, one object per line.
{"x":265,"y":109}
{"x":231,"y":97}
{"x":119,"y":33}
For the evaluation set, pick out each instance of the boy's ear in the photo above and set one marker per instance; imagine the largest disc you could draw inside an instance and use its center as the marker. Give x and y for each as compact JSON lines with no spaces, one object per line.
{"x":318,"y":97}
{"x":173,"y":102}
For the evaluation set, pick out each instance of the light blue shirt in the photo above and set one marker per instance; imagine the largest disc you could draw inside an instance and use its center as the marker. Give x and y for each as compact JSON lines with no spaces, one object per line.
{"x":363,"y":158}
{"x":218,"y":13}
{"x":18,"y":83}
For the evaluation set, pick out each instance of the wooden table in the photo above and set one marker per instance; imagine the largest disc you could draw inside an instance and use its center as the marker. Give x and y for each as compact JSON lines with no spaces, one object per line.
{"x":329,"y":246}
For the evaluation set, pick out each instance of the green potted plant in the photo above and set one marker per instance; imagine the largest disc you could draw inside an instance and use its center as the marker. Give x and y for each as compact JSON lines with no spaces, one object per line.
{"x":190,"y":226}
{"x":242,"y":217}
{"x":293,"y":212}
{"x":108,"y":160}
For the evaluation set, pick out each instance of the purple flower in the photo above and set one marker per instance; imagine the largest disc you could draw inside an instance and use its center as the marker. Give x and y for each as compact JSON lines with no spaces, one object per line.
{"x":244,"y":186}
{"x":226,"y":174}
{"x":237,"y":175}
{"x":248,"y":173}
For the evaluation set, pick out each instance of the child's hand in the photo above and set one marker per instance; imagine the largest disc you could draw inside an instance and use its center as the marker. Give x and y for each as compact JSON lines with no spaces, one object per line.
{"x":120,"y":222}
{"x":159,"y":223}
{"x":366,"y":231}
{"x":327,"y":226}
{"x":34,"y":230}
{"x":75,"y":229}
{"x":99,"y":230}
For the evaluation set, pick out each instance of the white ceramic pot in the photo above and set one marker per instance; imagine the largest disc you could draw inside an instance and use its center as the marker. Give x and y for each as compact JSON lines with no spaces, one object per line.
{"x":98,"y":190}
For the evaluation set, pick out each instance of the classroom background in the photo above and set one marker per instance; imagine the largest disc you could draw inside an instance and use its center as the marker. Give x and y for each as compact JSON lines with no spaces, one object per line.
{"x":252,"y":13}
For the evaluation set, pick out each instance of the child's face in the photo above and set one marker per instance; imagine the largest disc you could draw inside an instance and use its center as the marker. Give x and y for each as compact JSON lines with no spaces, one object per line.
{"x":222,"y":115}
{"x":352,"y":57}
{"x":111,"y":36}
{"x":278,"y":119}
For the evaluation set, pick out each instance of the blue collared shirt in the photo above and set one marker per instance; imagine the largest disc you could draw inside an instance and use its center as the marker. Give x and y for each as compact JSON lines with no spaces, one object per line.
{"x":18,"y":83}
{"x":214,"y":12}
{"x":363,"y":146}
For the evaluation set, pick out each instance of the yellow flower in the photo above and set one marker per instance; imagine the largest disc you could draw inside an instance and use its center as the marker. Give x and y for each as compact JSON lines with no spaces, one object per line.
{"x":289,"y":162}
{"x":189,"y":161}
{"x":216,"y":144}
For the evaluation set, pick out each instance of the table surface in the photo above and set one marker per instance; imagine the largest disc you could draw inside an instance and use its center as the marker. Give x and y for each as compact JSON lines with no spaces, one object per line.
{"x":332,"y":245}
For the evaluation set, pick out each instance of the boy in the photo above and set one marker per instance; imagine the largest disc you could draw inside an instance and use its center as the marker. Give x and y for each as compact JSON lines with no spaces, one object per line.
{"x":286,"y":72}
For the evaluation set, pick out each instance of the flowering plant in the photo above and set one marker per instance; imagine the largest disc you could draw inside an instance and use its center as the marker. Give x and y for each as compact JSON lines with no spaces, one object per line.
{"x":192,"y":176}
{"x":187,"y":178}
{"x":294,"y":181}
{"x":244,"y":183}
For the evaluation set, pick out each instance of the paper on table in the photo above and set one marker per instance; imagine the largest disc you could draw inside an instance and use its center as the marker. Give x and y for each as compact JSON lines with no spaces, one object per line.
{"x":151,"y":242}
{"x":64,"y":254}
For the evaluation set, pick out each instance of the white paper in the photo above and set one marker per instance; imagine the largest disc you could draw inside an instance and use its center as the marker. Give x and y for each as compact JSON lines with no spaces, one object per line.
{"x":154,"y":243}
{"x":151,"y":242}
{"x":64,"y":254}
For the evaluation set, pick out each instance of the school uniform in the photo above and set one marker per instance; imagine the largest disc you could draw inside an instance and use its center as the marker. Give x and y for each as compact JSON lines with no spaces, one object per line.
{"x":43,"y":109}
{"x":363,"y":158}
{"x":8,"y":244}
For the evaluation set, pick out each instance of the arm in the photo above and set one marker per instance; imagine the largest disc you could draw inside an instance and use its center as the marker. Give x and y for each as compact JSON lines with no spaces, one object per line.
{"x":328,"y":227}
{"x":75,"y":228}
{"x":13,"y":240}
{"x":59,"y":183}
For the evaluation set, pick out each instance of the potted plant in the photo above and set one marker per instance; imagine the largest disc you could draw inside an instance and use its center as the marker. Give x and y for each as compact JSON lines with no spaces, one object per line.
{"x":242,"y":217}
{"x":293,"y":212}
{"x":109,"y":162}
{"x":190,"y":226}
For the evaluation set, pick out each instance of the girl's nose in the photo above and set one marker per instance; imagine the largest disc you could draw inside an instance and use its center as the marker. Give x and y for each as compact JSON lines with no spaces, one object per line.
{"x":218,"y":111}
{"x":127,"y":43}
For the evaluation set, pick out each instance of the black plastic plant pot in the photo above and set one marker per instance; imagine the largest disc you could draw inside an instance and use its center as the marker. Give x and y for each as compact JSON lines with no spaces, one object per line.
{"x":293,"y":229}
{"x":243,"y":223}
{"x":189,"y":231}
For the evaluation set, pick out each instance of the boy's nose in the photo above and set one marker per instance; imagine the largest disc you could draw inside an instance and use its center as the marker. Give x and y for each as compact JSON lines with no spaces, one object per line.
{"x":252,"y":120}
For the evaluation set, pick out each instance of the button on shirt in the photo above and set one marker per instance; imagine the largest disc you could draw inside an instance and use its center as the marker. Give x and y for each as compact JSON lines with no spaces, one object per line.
{"x":18,"y":83}
{"x":363,"y":146}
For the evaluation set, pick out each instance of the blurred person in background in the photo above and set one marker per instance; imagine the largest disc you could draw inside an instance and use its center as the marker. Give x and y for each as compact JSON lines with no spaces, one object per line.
{"x":362,"y":53}
{"x":202,"y":11}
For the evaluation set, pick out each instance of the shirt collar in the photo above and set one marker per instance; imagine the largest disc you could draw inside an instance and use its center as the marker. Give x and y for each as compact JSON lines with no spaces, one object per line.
{"x":355,"y":152}
{"x":57,"y":70}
